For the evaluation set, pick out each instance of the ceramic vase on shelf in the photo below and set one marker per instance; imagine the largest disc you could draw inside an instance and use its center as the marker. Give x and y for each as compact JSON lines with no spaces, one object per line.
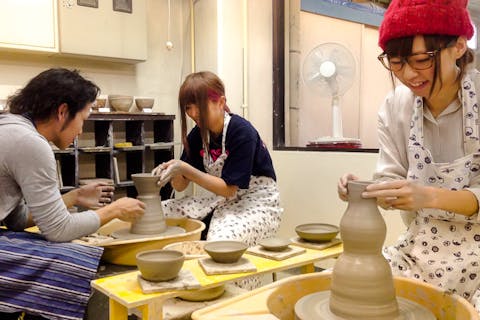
{"x":153,"y":220}
{"x":362,"y":284}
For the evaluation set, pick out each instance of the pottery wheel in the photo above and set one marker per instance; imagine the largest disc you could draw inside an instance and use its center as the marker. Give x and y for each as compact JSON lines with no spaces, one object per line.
{"x":316,"y":306}
{"x":125,"y":234}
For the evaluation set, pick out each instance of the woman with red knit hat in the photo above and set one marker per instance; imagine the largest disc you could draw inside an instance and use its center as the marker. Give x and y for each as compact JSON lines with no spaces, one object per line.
{"x":429,"y":161}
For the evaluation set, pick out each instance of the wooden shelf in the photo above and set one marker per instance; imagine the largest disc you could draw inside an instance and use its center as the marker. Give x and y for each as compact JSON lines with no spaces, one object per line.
{"x":124,"y":184}
{"x":132,"y":148}
{"x":70,"y":151}
{"x":94,"y":156}
{"x":126,"y":116}
{"x":160,"y":145}
{"x":95,"y":149}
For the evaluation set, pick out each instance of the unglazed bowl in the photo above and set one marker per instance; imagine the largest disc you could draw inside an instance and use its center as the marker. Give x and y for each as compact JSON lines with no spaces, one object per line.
{"x":317,"y":232}
{"x":143,"y":103}
{"x":120,"y":102}
{"x":226,"y":251}
{"x":160,"y":265}
{"x":274,"y":244}
{"x":99,"y":103}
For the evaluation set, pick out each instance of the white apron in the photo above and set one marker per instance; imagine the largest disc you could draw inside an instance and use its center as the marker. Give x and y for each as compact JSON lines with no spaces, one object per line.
{"x":249,"y":216}
{"x":441,"y":247}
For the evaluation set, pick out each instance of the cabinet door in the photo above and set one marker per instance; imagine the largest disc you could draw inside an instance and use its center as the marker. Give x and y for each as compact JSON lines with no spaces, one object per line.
{"x":102,"y":31}
{"x":29,"y":25}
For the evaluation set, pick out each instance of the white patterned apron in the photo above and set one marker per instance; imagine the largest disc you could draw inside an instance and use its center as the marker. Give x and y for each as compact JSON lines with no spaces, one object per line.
{"x":249,"y":216}
{"x":441,"y":247}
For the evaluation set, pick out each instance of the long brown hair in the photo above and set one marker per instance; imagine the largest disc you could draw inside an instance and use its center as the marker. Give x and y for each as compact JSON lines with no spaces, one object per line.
{"x":402,"y":47}
{"x":198,"y":88}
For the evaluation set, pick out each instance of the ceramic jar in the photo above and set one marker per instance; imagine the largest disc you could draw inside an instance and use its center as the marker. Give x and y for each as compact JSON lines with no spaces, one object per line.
{"x":153,"y":220}
{"x":362,"y":284}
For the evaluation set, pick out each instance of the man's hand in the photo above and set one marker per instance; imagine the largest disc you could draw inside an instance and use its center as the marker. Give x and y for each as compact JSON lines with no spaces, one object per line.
{"x":94,"y":195}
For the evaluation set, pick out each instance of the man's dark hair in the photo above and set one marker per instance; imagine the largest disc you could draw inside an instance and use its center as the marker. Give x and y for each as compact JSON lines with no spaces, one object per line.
{"x":43,"y":94}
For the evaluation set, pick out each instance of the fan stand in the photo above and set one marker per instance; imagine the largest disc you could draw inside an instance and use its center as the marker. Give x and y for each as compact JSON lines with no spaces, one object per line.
{"x":337,"y":118}
{"x":337,"y":140}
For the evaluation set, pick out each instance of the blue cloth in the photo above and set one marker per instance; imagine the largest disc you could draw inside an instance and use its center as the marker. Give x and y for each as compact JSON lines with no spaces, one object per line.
{"x":45,"y":278}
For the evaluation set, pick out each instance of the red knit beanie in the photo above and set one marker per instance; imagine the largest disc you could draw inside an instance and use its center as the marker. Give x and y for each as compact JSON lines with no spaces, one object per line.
{"x":405,"y":18}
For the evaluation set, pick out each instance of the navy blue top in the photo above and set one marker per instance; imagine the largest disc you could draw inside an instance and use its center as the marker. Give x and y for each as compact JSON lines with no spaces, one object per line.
{"x":247,"y":154}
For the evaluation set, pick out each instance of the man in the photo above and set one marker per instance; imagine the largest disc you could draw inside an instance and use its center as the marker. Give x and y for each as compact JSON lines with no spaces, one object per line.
{"x":48,"y":278}
{"x":51,"y":108}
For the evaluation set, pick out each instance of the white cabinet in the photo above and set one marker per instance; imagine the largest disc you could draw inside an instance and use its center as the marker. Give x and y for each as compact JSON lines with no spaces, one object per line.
{"x":29,"y":25}
{"x":68,"y":28}
{"x":102,"y":31}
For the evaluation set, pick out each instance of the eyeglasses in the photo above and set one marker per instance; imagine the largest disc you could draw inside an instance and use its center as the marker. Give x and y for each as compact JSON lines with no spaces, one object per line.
{"x":417,"y":61}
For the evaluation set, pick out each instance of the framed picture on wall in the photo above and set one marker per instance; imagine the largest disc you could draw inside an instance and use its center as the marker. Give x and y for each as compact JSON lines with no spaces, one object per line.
{"x":88,"y":3}
{"x":122,"y":6}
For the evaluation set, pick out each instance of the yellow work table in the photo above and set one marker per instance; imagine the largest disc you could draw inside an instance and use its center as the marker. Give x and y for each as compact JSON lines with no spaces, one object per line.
{"x":124,"y":292}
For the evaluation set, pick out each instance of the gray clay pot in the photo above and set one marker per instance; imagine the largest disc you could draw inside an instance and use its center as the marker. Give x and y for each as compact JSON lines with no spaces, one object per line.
{"x":160,"y":265}
{"x":225,"y":251}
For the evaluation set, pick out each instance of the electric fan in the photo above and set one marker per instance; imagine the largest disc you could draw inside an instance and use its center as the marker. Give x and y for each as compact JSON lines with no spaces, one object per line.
{"x":329,"y":69}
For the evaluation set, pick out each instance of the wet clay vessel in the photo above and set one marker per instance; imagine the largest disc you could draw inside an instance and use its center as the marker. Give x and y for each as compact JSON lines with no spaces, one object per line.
{"x":362,"y":264}
{"x":274,"y":244}
{"x":153,"y":221}
{"x":225,"y":251}
{"x":317,"y":232}
{"x":160,"y":265}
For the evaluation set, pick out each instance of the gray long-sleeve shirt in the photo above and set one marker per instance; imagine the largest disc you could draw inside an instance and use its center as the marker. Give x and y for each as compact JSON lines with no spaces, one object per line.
{"x":28,"y":184}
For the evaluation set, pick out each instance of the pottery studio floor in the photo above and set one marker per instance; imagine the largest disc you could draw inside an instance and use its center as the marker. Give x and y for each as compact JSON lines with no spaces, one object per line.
{"x":177,"y":309}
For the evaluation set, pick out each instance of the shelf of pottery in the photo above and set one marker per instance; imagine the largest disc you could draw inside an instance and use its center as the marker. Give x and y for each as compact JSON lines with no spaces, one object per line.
{"x":113,"y":146}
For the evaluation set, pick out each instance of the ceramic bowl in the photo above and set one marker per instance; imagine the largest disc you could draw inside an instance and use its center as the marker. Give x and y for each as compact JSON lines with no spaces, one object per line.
{"x":194,"y":250}
{"x":142,"y":103}
{"x":274,"y":244}
{"x":227,"y":251}
{"x":99,"y":103}
{"x":160,"y":265}
{"x":120,"y":102}
{"x":317,"y":232}
{"x":191,"y":249}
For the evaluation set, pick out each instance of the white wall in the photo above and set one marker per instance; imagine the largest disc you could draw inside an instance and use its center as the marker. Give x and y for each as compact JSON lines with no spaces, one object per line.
{"x":219,"y":45}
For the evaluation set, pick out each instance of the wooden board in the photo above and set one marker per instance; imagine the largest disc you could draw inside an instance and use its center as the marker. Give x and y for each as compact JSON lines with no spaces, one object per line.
{"x":291,"y":251}
{"x":315,"y":245}
{"x":184,"y":281}
{"x":211,"y":267}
